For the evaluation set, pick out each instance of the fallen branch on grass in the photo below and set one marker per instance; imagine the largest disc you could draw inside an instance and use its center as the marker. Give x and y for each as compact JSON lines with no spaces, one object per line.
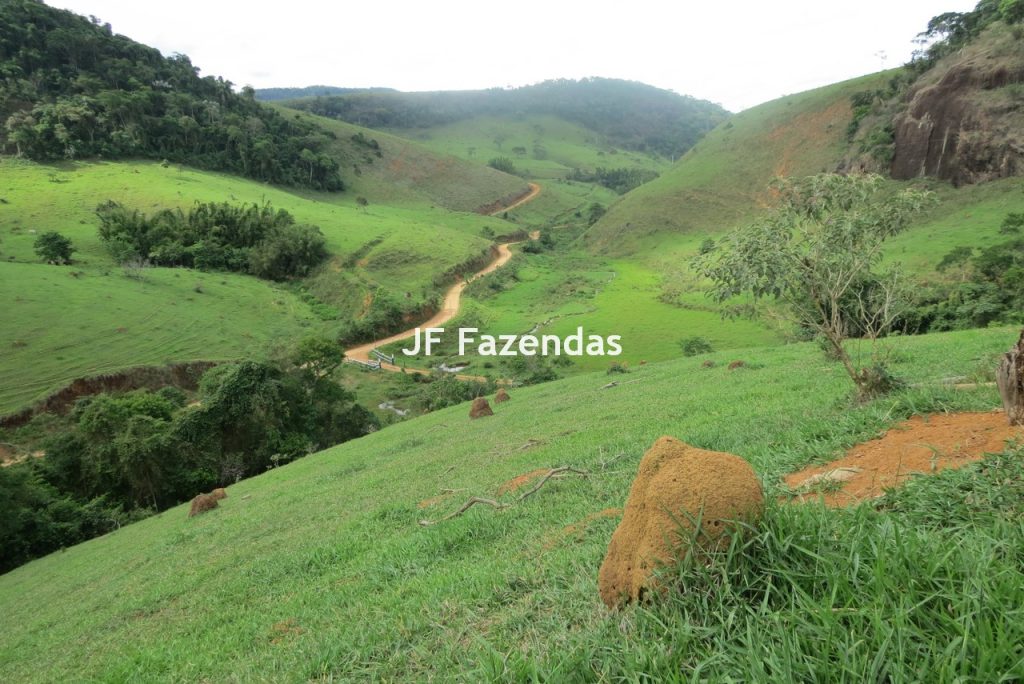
{"x":554,"y":472}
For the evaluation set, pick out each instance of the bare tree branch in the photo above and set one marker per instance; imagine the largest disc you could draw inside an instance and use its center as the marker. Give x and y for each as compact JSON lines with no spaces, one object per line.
{"x":554,"y":472}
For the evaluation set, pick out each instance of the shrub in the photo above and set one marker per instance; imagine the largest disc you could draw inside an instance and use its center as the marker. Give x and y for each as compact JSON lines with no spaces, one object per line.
{"x":252,"y":239}
{"x":694,"y":345}
{"x":503,"y":164}
{"x":53,"y":248}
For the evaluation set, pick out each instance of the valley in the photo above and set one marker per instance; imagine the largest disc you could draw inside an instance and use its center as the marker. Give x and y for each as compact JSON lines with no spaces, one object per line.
{"x":216,"y":463}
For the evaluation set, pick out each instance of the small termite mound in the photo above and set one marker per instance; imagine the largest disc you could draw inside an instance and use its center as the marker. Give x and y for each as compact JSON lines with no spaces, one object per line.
{"x":202,"y":503}
{"x":480,"y":408}
{"x":677,"y":487}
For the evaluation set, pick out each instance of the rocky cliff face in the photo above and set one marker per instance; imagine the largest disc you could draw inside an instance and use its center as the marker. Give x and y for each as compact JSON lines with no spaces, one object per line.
{"x":964,"y":119}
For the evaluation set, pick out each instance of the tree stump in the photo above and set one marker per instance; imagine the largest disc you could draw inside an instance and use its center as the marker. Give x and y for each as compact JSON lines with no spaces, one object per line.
{"x":1010,"y":379}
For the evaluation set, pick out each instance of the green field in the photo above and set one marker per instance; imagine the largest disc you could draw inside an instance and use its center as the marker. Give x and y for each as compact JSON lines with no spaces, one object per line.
{"x":64,"y":319}
{"x":318,"y":570}
{"x":411,"y":173}
{"x":723,"y":180}
{"x":411,"y":550}
{"x":565,"y":145}
{"x":58,"y":327}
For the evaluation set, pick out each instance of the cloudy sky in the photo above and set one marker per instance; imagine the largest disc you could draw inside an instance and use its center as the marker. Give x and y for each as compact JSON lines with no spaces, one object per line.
{"x":737,"y":53}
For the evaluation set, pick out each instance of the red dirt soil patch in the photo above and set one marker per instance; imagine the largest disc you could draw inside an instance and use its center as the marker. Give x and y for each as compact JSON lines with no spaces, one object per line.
{"x":430,"y":501}
{"x":521,"y":481}
{"x":919,"y":446}
{"x":284,"y":629}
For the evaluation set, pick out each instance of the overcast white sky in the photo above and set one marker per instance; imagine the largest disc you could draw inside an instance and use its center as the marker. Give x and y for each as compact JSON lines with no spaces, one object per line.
{"x":737,"y":53}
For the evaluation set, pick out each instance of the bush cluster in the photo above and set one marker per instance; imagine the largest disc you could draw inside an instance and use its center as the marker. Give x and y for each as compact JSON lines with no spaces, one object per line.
{"x":122,"y":457}
{"x":252,"y":239}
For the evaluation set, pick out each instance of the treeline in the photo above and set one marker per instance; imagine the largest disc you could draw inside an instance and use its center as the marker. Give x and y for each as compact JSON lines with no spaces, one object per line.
{"x":252,"y":239}
{"x":986,"y":286}
{"x":121,"y":458}
{"x":70,"y":88}
{"x":620,"y":180}
{"x":274,"y":94}
{"x":948,"y":32}
{"x":633,"y":115}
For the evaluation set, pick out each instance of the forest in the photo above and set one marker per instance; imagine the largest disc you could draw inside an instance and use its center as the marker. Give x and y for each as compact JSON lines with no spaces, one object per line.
{"x":70,"y":88}
{"x":119,"y":458}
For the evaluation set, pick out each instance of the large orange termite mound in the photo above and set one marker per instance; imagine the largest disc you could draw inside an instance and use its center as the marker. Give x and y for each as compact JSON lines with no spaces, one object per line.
{"x":676,"y":485}
{"x":501,"y":396}
{"x":480,"y":408}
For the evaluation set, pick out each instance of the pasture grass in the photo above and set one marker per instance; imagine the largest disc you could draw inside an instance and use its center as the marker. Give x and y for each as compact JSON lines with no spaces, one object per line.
{"x":408,"y":172}
{"x":319,"y":570}
{"x":565,"y":145}
{"x":61,"y":323}
{"x":58,"y":326}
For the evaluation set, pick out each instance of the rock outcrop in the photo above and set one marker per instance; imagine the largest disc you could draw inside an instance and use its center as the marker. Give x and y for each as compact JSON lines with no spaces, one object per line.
{"x":676,"y":486}
{"x":963,"y":122}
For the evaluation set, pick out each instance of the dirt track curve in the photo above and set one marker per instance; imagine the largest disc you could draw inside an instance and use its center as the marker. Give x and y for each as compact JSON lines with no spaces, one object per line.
{"x":452,"y":300}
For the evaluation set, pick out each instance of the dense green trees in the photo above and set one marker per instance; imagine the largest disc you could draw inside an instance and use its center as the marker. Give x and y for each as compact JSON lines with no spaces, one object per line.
{"x":621,"y":180}
{"x":950,"y":31}
{"x":988,"y":288}
{"x":252,"y":238}
{"x":504,"y":164}
{"x":70,"y":88}
{"x":122,"y":457}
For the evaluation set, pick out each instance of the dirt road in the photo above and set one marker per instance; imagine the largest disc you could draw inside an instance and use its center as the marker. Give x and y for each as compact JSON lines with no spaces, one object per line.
{"x":450,"y":304}
{"x":530,"y":196}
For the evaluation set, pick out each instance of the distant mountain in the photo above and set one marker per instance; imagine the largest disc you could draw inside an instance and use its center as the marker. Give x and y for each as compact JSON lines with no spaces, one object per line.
{"x":71,"y":88}
{"x":273,"y":94}
{"x":632,"y":115}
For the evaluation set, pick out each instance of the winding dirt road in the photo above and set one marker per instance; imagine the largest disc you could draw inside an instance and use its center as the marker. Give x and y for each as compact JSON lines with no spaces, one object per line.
{"x":528,"y":197}
{"x":452,"y":299}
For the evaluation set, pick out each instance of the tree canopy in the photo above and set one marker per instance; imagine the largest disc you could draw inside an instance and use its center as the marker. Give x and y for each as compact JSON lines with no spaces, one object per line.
{"x":53,"y":248}
{"x":71,"y":88}
{"x":253,"y":238}
{"x":817,"y":254}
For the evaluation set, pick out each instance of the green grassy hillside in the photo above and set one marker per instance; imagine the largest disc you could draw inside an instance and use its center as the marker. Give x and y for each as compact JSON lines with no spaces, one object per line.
{"x":318,"y":570}
{"x":407,"y":172}
{"x":722,"y":183}
{"x":549,"y":147}
{"x":90,"y":317}
{"x":58,"y":327}
{"x":723,"y":180}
